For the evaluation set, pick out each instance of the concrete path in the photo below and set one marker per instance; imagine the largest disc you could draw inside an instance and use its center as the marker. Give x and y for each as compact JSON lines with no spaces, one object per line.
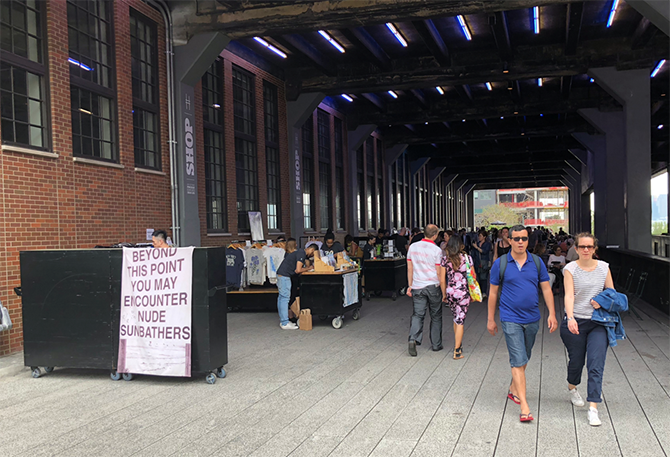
{"x":351,"y":392}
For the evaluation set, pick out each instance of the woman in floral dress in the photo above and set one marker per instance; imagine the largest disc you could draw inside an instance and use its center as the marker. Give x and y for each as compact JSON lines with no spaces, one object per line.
{"x":458,"y":296}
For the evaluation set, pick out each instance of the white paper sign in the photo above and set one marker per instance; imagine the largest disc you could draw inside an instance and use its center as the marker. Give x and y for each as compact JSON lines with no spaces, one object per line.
{"x":155,"y":329}
{"x":150,"y":234}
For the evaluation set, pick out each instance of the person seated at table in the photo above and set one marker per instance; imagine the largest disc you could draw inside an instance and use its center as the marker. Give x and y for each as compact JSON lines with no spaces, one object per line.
{"x":330,"y":246}
{"x":294,"y":264}
{"x":350,"y":246}
{"x":369,"y":248}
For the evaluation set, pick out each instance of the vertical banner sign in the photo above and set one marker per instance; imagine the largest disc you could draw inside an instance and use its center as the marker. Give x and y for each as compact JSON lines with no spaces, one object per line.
{"x":155,"y":331}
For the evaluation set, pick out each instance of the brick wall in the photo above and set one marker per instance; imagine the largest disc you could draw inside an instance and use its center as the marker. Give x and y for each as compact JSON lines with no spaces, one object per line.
{"x":57,"y":203}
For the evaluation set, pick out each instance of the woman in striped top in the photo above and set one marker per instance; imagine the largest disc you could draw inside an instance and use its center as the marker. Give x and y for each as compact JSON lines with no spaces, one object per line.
{"x":584,"y":279}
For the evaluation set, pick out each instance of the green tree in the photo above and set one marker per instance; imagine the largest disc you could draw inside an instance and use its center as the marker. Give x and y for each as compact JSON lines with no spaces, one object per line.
{"x":498,"y":215}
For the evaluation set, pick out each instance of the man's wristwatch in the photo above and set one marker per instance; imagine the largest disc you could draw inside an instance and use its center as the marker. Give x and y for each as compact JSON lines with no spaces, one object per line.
{"x":571,"y":318}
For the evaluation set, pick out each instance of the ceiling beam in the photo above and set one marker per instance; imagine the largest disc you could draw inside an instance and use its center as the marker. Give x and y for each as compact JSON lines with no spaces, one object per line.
{"x":259,"y":18}
{"x":418,"y":94}
{"x":363,"y":41}
{"x":512,"y":184}
{"x":644,"y":32}
{"x":297,"y":43}
{"x":498,"y":23}
{"x":433,"y":40}
{"x":573,"y":27}
{"x":375,"y":100}
{"x":566,"y":86}
{"x":532,"y":62}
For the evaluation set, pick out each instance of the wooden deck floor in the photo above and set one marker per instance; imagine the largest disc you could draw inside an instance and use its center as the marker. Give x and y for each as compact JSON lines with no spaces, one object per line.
{"x":352,"y":392}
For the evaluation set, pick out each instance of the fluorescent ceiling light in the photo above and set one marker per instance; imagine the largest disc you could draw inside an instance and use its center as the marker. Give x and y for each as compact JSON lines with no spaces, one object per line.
{"x":463,"y":120}
{"x":439,"y":90}
{"x":347,"y":98}
{"x":332,"y":41}
{"x":536,"y":19}
{"x":658,"y":68}
{"x":615,"y":3}
{"x":464,"y":27}
{"x":277,"y":51}
{"x":425,"y":123}
{"x":591,"y":80}
{"x":488,"y":86}
{"x":79,"y":64}
{"x":539,"y":82}
{"x":397,"y":34}
{"x":660,"y":126}
{"x":86,"y":111}
{"x":392,"y":94}
{"x":216,"y":105}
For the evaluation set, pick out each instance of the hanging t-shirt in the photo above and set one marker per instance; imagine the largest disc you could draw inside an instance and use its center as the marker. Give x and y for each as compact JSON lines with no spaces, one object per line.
{"x":234,"y":267}
{"x":273,"y":259}
{"x":256,"y":266}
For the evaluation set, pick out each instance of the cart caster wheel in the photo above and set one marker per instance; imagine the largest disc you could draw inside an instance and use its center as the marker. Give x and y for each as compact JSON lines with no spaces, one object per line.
{"x":378,"y":293}
{"x":221,"y":373}
{"x":37,"y":372}
{"x":394,"y":296}
{"x":337,"y":322}
{"x":323,"y":317}
{"x":210,"y":378}
{"x":127,"y":376}
{"x":402,"y":291}
{"x":115,"y":375}
{"x":356,"y":314}
{"x":367,"y":296}
{"x":48,"y":369}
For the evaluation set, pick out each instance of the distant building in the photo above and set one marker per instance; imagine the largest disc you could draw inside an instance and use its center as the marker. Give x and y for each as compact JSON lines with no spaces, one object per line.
{"x":545,"y":206}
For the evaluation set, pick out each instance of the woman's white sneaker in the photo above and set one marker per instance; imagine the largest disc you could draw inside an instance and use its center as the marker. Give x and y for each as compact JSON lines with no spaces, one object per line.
{"x":289,"y":326}
{"x":575,"y":398}
{"x":594,"y":420}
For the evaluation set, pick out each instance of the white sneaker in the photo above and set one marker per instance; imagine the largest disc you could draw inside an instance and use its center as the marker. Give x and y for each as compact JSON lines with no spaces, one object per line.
{"x":289,"y":326}
{"x":594,"y":420}
{"x":575,"y":398}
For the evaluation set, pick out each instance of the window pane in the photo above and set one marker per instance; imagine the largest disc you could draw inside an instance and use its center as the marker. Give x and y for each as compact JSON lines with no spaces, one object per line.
{"x":95,"y":125}
{"x":90,"y":52}
{"x":272,"y":155}
{"x":23,"y":111}
{"x":143,"y":59}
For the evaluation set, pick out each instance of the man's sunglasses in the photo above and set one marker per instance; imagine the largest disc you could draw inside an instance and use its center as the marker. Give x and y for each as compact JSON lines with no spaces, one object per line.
{"x":520,"y":238}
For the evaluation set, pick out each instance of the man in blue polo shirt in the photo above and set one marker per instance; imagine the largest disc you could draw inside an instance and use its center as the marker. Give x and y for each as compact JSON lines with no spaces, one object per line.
{"x":520,"y":310}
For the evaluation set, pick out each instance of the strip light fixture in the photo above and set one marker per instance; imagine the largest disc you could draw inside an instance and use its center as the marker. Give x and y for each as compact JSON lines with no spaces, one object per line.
{"x":658,"y":68}
{"x":392,"y":94}
{"x":539,"y":82}
{"x":592,"y":80}
{"x":347,"y":98}
{"x":277,"y":51}
{"x":660,"y":126}
{"x":489,"y":86}
{"x":397,"y":34}
{"x":331,"y":40}
{"x":615,"y":4}
{"x":439,"y":90}
{"x":536,"y":19}
{"x":464,"y":27}
{"x":79,"y":64}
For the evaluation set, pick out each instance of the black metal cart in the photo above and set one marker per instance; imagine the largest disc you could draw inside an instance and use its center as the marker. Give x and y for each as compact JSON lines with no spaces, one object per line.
{"x":325,"y":295}
{"x":71,"y":310}
{"x":385,"y":275}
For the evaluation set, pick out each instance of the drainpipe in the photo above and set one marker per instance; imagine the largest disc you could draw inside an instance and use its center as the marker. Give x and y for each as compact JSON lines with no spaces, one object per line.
{"x":169,"y":54}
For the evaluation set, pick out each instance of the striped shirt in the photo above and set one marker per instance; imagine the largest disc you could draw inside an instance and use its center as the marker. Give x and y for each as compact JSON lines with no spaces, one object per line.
{"x":588,"y":284}
{"x":424,"y":255}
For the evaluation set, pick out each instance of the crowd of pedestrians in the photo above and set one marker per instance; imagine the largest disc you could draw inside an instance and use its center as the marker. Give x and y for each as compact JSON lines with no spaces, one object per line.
{"x":514,"y":266}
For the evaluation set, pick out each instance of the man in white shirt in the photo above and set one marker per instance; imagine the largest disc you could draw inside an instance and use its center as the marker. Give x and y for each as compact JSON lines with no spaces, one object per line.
{"x":427,"y":287}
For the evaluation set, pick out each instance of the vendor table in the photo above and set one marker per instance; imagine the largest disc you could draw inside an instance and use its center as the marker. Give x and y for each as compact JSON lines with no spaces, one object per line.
{"x":71,"y":310}
{"x":331,"y":294}
{"x":385,"y":275}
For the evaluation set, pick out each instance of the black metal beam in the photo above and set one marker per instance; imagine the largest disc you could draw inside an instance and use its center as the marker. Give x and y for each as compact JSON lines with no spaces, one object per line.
{"x":566,"y":86}
{"x":573,"y":27}
{"x":375,"y":100}
{"x":362,"y":40}
{"x":418,"y":94}
{"x":644,"y":32}
{"x":433,"y":41}
{"x":498,"y":23}
{"x":297,"y":43}
{"x":532,"y":62}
